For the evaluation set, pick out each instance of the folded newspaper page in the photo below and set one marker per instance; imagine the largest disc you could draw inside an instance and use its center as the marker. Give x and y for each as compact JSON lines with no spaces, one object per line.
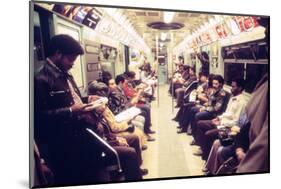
{"x":128,"y":114}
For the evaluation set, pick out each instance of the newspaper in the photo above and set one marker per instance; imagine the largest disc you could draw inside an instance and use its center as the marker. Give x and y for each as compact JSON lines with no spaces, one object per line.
{"x":128,"y":114}
{"x":97,"y":103}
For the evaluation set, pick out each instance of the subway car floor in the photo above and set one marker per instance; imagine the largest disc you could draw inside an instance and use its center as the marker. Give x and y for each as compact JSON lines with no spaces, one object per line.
{"x":171,"y":154}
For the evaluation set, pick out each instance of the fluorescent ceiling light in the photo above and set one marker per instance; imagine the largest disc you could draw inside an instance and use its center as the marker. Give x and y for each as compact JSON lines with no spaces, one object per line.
{"x":163,"y":36}
{"x":168,"y":17}
{"x":110,"y":11}
{"x":218,"y":18}
{"x":212,"y":21}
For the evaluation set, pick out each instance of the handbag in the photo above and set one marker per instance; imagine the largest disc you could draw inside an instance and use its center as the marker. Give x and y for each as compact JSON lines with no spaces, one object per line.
{"x":225,"y":138}
{"x":228,"y":167}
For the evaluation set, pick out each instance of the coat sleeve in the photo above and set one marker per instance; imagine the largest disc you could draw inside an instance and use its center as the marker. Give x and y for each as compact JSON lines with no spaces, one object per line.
{"x":114,"y":125}
{"x":256,"y":159}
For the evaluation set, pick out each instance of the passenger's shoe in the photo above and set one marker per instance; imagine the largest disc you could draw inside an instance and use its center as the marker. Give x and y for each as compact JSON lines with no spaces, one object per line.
{"x":150,"y":138}
{"x":143,"y":147}
{"x":181,"y":131}
{"x":205,"y":170}
{"x":189,"y":133}
{"x":144,"y":171}
{"x":151,"y":132}
{"x":152,"y":98}
{"x":198,"y":153}
{"x":177,"y":106}
{"x":175,"y":119}
{"x":178,"y":127}
{"x":208,"y":173}
{"x":192,"y":143}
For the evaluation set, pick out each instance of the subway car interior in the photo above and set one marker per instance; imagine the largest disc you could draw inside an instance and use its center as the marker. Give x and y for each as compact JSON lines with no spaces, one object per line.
{"x":128,"y":94}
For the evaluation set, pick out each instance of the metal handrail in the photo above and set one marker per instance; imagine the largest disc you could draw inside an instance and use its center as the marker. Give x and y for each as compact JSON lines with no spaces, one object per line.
{"x":108,"y":147}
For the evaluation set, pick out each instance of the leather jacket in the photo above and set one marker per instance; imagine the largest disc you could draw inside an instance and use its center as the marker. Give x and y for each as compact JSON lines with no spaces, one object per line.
{"x":216,"y":101}
{"x":52,"y":92}
{"x":52,"y":101}
{"x":59,"y":133}
{"x":53,"y":120}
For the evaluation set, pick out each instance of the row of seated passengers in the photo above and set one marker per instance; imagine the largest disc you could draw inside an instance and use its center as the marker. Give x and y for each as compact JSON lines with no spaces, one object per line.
{"x":62,"y":119}
{"x":213,"y":114}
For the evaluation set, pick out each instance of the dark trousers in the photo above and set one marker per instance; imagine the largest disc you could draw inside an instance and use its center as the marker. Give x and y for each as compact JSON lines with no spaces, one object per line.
{"x":183,"y":111}
{"x":129,"y":162}
{"x":76,"y":161}
{"x":206,"y":134}
{"x":184,"y":115}
{"x":191,"y":116}
{"x":204,"y":115}
{"x":145,"y":112}
{"x":80,"y":162}
{"x":130,"y":157}
{"x":180,"y":95}
{"x":172,"y":89}
{"x":134,"y":142}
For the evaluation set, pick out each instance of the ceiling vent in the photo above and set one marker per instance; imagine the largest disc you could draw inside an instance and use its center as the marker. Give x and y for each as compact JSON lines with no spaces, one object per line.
{"x":182,"y":15}
{"x":164,"y":26}
{"x":152,"y":13}
{"x":140,"y":14}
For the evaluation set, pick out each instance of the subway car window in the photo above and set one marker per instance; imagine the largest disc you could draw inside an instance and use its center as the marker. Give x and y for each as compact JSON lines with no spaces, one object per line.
{"x":38,"y":38}
{"x":251,"y":73}
{"x":132,"y":94}
{"x":249,"y":60}
{"x":38,"y":48}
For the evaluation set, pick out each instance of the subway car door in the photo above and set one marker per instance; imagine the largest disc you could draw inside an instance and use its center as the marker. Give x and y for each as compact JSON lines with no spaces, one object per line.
{"x":162,"y":70}
{"x":108,"y":58}
{"x":78,"y":70}
{"x":92,"y":50}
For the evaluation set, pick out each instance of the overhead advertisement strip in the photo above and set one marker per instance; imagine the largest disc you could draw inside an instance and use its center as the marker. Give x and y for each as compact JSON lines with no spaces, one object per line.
{"x":221,"y":28}
{"x":110,"y":22}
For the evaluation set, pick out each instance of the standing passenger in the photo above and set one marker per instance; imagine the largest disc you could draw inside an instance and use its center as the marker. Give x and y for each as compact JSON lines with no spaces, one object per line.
{"x":61,"y":117}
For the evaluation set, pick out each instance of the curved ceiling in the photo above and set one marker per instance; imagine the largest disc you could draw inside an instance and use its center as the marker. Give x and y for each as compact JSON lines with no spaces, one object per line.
{"x":142,"y":19}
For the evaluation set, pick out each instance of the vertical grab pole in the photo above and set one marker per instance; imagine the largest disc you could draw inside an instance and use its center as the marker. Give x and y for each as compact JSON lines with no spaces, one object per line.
{"x":156,"y":54}
{"x":172,"y":42}
{"x":31,"y":96}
